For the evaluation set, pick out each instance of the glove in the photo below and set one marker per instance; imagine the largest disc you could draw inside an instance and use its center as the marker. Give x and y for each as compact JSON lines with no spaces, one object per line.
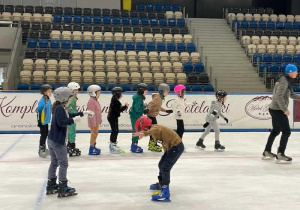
{"x":205,"y":125}
{"x":81,"y":114}
{"x":89,"y":113}
{"x":146,"y":111}
{"x":226,"y":120}
{"x":76,"y":119}
{"x":178,"y":114}
{"x":169,"y":111}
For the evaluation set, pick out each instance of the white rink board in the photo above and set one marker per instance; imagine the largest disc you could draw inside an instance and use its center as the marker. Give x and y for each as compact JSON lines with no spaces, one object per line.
{"x":18,"y":112}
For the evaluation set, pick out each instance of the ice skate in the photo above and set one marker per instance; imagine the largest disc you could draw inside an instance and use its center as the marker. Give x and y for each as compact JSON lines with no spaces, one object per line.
{"x":154,"y":147}
{"x":219,"y":147}
{"x":268,"y":155}
{"x":51,"y":187}
{"x":135,"y":148}
{"x":200,"y":145}
{"x":163,"y":195}
{"x":64,"y":190}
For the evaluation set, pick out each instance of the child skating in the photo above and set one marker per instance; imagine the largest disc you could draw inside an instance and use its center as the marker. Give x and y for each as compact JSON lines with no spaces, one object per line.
{"x":136,"y":111}
{"x":153,"y":109}
{"x":211,"y":121}
{"x":173,"y":148}
{"x":44,"y":117}
{"x":95,"y":121}
{"x":115,"y":109}
{"x":57,"y":142}
{"x":71,"y":108}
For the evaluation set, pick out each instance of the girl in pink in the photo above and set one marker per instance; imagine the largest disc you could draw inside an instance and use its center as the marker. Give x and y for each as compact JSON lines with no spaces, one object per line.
{"x":94,"y":122}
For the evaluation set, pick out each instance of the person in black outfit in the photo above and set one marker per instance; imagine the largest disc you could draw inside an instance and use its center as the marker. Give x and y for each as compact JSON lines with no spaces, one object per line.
{"x":114,"y":112}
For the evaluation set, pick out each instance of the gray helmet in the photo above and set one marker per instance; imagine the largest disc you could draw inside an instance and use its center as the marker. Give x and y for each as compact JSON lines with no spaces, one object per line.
{"x":62,"y":94}
{"x":92,"y":89}
{"x":163,"y":87}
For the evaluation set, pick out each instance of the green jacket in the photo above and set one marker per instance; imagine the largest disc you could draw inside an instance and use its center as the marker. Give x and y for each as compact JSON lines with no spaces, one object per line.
{"x":138,"y":106}
{"x":71,"y":108}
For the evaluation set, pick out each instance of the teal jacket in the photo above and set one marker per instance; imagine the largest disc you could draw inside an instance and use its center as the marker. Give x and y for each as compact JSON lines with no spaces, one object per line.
{"x":138,"y":106}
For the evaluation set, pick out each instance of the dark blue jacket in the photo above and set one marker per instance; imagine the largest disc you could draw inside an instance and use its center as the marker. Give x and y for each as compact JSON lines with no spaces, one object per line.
{"x":59,"y":124}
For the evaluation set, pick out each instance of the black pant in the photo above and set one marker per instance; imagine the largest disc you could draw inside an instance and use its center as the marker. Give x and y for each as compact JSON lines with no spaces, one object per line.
{"x":167,"y":162}
{"x":154,"y":121}
{"x":44,"y":134}
{"x":114,"y":125}
{"x":280,"y":123}
{"x":180,"y":128}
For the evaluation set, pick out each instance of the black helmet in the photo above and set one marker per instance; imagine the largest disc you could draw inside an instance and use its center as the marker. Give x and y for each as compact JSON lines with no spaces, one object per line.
{"x":117,"y":91}
{"x":141,"y":88}
{"x":44,"y":88}
{"x":221,"y":94}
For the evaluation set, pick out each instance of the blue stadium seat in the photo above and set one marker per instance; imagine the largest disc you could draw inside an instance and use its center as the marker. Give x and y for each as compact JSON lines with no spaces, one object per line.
{"x":103,"y":87}
{"x":76,"y":44}
{"x":61,"y":85}
{"x":77,"y":19}
{"x":171,"y":47}
{"x":172,"y":87}
{"x":244,"y":24}
{"x":267,"y":58}
{"x":208,"y":88}
{"x":52,"y":85}
{"x":31,"y":43}
{"x":277,"y":58}
{"x":274,"y":68}
{"x":43,"y":43}
{"x":287,"y":58}
{"x":151,"y":87}
{"x":109,"y":45}
{"x":97,"y":20}
{"x":163,"y":22}
{"x":111,"y":86}
{"x":158,"y":7}
{"x":66,"y":44}
{"x":253,"y":24}
{"x":279,"y":25}
{"x":180,"y":22}
{"x":87,"y":45}
{"x":134,"y":87}
{"x":262,"y":24}
{"x":235,"y":23}
{"x":196,"y":88}
{"x":296,"y":25}
{"x":144,"y":21}
{"x":255,"y":58}
{"x":188,"y":67}
{"x":126,"y":87}
{"x":140,"y":7}
{"x":181,"y":47}
{"x":175,"y":7}
{"x":271,"y":25}
{"x":154,"y":22}
{"x":125,"y":21}
{"x":106,"y":20}
{"x":23,"y":86}
{"x":199,"y":67}
{"x":57,"y":18}
{"x":167,"y":7}
{"x":262,"y":67}
{"x":191,"y":47}
{"x":119,"y":46}
{"x":85,"y":86}
{"x":116,"y":20}
{"x":151,"y":46}
{"x":67,"y":18}
{"x":87,"y":19}
{"x":172,"y":22}
{"x":130,"y":46}
{"x":35,"y":86}
{"x":282,"y":67}
{"x":187,"y":88}
{"x":98,"y":45}
{"x":140,"y":46}
{"x":161,"y":47}
{"x":297,"y":58}
{"x":54,"y":44}
{"x":288,"y":25}
{"x":135,"y":21}
{"x":149,"y":7}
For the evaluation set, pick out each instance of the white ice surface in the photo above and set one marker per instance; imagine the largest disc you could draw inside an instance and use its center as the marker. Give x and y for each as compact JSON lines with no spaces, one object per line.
{"x":236,"y":179}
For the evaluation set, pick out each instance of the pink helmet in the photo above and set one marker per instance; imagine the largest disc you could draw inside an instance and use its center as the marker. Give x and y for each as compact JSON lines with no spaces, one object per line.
{"x":178,"y":89}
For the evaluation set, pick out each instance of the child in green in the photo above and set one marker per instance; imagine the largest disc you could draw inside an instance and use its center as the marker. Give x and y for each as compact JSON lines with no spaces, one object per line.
{"x":71,"y":108}
{"x":136,"y":111}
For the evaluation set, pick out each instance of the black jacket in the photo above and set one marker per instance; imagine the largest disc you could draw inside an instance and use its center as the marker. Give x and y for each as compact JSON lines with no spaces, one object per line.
{"x":115,"y":108}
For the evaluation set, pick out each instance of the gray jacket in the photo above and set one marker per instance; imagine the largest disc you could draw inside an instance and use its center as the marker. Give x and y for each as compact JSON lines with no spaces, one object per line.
{"x":281,"y":94}
{"x":214,"y":112}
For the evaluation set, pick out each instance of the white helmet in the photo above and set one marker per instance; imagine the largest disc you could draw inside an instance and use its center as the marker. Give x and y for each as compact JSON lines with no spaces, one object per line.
{"x":74,"y":86}
{"x":92,"y":89}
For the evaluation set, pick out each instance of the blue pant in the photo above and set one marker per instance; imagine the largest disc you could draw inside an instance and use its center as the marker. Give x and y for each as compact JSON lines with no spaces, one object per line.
{"x":59,"y":157}
{"x":167,"y":162}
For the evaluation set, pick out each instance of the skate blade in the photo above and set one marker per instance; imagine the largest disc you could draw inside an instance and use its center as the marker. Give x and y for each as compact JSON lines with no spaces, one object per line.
{"x":282,"y":162}
{"x":152,"y":150}
{"x":66,"y":195}
{"x":94,"y":154}
{"x":200,"y":148}
{"x":267,"y":158}
{"x":161,"y":200}
{"x":219,"y":150}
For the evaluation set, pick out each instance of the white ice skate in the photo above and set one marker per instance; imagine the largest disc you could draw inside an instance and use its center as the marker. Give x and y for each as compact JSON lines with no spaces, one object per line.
{"x":115,"y":149}
{"x":283,"y":159}
{"x":268,"y":155}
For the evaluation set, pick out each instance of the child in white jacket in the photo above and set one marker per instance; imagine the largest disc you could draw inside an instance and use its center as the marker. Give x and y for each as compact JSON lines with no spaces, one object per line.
{"x":178,"y":107}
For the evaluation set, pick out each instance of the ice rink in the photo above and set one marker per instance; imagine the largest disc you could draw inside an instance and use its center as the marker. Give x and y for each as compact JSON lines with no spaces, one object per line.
{"x":236,"y":179}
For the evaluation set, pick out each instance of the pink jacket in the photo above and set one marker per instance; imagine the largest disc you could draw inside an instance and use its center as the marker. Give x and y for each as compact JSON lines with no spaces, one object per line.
{"x":94,"y":106}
